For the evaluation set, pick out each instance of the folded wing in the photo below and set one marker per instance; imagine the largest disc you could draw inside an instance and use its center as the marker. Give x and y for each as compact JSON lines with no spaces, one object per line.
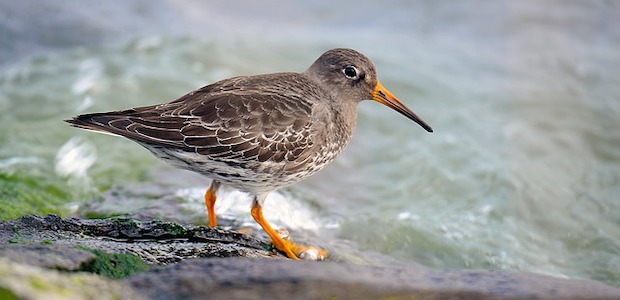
{"x":232,"y":119}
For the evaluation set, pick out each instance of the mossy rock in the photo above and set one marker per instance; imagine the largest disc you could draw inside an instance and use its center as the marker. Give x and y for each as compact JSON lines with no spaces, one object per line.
{"x":114,"y":265}
{"x":21,"y":195}
{"x":20,"y":281}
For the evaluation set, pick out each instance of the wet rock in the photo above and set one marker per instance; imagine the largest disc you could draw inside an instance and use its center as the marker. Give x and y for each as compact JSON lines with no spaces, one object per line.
{"x":194,"y":262}
{"x":156,"y":242}
{"x":235,"y":278}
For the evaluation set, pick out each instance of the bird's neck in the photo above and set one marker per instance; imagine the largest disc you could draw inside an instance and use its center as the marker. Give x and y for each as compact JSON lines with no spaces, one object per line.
{"x":345,"y":118}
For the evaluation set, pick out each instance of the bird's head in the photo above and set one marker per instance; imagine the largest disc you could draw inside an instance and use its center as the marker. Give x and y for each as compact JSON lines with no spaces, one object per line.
{"x":354,"y":78}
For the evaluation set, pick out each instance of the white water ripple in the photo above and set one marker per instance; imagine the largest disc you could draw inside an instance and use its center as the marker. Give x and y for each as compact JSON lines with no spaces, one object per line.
{"x":74,"y":158}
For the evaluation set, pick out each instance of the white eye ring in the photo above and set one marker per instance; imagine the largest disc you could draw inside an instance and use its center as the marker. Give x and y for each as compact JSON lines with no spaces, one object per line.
{"x":350,"y":72}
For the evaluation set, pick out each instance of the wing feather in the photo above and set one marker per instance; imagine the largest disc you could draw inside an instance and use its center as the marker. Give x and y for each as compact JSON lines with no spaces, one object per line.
{"x":245,"y":118}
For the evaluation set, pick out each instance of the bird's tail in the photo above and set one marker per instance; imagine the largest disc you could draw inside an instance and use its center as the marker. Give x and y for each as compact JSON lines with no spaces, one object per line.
{"x":97,"y":122}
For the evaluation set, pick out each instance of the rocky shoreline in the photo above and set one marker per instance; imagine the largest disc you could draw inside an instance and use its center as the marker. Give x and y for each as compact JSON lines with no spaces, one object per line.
{"x":52,"y":257}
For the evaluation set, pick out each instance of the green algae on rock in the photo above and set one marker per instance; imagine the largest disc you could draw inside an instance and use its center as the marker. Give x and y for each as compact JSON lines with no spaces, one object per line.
{"x":114,"y":265}
{"x":21,"y":195}
{"x":21,"y":281}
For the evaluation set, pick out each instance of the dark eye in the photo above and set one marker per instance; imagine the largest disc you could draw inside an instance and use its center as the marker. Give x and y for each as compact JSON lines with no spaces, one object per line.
{"x":350,"y":72}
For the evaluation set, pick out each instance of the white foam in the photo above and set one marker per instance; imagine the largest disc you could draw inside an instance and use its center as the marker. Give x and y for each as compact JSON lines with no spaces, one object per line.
{"x":280,"y":210}
{"x":74,"y":158}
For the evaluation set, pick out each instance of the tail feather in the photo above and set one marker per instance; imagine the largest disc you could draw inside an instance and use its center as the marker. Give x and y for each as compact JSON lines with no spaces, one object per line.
{"x":98,"y":122}
{"x":142,"y":127}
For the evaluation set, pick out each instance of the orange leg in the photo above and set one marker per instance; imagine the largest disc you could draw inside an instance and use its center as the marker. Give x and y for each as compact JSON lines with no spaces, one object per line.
{"x":293,"y":251}
{"x":210,"y":197}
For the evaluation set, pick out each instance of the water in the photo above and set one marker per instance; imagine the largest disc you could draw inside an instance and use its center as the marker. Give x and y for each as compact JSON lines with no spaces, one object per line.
{"x":522,"y":172}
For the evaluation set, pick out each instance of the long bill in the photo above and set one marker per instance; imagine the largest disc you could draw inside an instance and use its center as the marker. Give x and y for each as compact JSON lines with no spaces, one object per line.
{"x":383,"y":96}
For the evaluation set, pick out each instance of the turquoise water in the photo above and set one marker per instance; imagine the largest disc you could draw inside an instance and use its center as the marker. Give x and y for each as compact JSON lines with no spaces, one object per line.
{"x":522,"y":172}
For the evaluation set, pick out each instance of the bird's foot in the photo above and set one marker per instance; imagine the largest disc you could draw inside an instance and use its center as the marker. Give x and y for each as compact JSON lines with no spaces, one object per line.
{"x":296,"y":251}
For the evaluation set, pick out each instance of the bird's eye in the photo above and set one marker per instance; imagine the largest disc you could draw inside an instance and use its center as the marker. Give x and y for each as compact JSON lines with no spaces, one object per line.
{"x":350,"y":72}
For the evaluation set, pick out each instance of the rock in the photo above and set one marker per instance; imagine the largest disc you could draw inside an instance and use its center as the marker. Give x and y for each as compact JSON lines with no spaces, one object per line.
{"x":20,"y":281}
{"x":192,"y":262}
{"x":155,"y":242}
{"x":242,"y":278}
{"x":48,"y":256}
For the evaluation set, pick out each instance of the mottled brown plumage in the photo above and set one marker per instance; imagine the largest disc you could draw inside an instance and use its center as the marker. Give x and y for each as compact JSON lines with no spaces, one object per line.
{"x":257,"y":133}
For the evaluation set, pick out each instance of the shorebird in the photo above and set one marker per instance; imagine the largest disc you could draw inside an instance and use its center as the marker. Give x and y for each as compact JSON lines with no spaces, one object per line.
{"x":258,"y":133}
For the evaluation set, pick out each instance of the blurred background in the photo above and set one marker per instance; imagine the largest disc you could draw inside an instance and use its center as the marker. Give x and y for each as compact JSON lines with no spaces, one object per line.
{"x":521,"y":173}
